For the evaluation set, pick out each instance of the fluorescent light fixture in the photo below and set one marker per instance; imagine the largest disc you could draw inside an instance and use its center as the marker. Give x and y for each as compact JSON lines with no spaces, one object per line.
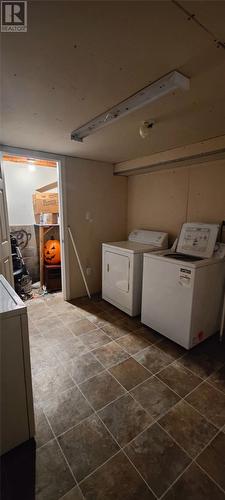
{"x":31,"y":166}
{"x":152,"y":92}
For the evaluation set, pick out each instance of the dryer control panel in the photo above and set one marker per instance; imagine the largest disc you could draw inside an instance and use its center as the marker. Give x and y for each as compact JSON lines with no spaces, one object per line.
{"x":155,"y":238}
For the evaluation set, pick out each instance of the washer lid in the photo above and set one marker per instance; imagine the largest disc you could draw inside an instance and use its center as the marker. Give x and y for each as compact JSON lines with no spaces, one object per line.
{"x":10,"y":302}
{"x":155,"y":238}
{"x":198,"y":239}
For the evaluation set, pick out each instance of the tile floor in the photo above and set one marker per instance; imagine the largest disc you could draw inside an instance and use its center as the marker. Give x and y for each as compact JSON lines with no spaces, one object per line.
{"x":121,"y":412}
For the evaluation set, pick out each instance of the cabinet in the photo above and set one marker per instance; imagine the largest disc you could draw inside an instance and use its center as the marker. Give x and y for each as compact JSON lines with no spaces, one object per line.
{"x":16,"y":400}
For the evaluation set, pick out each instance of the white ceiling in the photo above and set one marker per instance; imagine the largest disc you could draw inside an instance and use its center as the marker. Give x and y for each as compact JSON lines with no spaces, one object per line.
{"x":80,"y":58}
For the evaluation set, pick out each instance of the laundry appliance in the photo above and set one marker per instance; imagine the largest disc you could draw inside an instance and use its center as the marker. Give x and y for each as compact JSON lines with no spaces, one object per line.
{"x":122,"y":266}
{"x":183,"y":290}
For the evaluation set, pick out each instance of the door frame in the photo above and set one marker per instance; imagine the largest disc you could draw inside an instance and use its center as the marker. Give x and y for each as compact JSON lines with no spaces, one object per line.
{"x":6,"y":218}
{"x":61,"y":172}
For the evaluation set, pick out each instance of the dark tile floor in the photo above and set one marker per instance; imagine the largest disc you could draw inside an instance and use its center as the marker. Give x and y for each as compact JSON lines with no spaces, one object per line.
{"x":121,"y":412}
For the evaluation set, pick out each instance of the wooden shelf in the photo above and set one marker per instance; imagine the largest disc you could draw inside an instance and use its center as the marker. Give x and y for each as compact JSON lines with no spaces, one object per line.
{"x":47,"y":225}
{"x":43,"y":230}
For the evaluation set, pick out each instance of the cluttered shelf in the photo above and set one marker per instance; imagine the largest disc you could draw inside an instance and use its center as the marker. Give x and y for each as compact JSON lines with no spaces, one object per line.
{"x":43,"y":230}
{"x":46,"y":225}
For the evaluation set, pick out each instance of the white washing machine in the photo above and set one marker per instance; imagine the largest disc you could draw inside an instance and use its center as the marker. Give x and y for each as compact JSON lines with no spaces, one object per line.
{"x":183,"y":290}
{"x":122,"y":265}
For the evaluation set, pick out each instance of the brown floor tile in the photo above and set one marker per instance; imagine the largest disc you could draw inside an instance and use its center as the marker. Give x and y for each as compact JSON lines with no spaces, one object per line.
{"x":108,"y":320}
{"x":74,"y":494}
{"x":201,"y":361}
{"x":38,"y":341}
{"x":57,"y":335}
{"x":210,"y":403}
{"x":87,"y":308}
{"x":125,"y":419}
{"x":101,"y":390}
{"x":42,"y":311}
{"x":110,"y":354}
{"x":48,"y":323}
{"x":117,"y":315}
{"x":217,"y":379}
{"x":106,"y":306}
{"x":62,"y":307}
{"x":130,"y":323}
{"x":172,"y":349}
{"x":133,"y":343}
{"x":155,"y":397}
{"x":130,"y":373}
{"x":50,"y":382}
{"x":69,"y":318}
{"x":87,"y":446}
{"x":42,"y":358}
{"x":158,"y":458}
{"x":83,"y":367}
{"x":64,"y":333}
{"x":125,"y":325}
{"x":212,"y":459}
{"x":70,"y":349}
{"x":33,"y":330}
{"x":188,"y":428}
{"x":214,"y":348}
{"x":194,"y":485}
{"x":116,"y":480}
{"x":179,"y":379}
{"x":66,"y":410}
{"x":100,"y":318}
{"x":95,"y":339}
{"x":82,"y":326}
{"x":153,"y":359}
{"x":43,"y":432}
{"x":149,"y":334}
{"x":115,"y":331}
{"x":53,"y":477}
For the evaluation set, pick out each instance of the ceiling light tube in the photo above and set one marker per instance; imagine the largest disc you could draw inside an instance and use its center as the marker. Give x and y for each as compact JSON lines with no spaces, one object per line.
{"x":152,"y":92}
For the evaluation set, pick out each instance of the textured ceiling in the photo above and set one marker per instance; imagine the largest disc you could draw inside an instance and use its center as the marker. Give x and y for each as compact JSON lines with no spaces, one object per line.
{"x":80,"y":58}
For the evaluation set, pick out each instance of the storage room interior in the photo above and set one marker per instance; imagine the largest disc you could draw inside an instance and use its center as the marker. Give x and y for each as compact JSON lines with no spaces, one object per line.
{"x":33,"y":207}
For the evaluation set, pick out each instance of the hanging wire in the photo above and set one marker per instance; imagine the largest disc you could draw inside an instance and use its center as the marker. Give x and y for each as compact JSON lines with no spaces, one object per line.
{"x":192,"y":17}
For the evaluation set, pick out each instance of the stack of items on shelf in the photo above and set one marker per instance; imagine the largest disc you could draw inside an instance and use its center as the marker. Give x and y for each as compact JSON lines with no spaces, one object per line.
{"x":46,"y":205}
{"x":52,"y":265}
{"x":46,"y":213}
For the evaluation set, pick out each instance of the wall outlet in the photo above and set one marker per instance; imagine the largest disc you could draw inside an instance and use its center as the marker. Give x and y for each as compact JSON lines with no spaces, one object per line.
{"x":88,"y":217}
{"x":88,"y":271}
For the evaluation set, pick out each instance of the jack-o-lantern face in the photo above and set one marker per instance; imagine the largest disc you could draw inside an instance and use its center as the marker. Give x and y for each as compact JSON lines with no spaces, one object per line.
{"x":52,"y":252}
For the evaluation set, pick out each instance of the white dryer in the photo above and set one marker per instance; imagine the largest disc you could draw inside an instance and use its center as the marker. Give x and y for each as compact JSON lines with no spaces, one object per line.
{"x":122,"y":265}
{"x":183,"y":290}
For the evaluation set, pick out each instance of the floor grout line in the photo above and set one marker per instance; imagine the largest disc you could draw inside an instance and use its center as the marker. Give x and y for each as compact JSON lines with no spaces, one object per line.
{"x":120,"y":448}
{"x":95,"y":412}
{"x":193,"y":460}
{"x":68,"y":465}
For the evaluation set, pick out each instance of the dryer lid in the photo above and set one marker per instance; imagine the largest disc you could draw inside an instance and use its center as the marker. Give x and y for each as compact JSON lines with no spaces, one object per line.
{"x":155,"y":238}
{"x":198,"y":239}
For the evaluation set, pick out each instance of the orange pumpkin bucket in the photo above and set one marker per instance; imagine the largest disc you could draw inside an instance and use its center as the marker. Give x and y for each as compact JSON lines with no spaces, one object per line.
{"x":52,"y":252}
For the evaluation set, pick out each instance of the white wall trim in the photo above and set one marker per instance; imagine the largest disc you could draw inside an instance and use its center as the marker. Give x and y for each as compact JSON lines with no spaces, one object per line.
{"x":208,"y":150}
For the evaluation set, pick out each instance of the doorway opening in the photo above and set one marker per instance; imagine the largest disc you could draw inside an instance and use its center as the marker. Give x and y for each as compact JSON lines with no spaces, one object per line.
{"x":33,"y":193}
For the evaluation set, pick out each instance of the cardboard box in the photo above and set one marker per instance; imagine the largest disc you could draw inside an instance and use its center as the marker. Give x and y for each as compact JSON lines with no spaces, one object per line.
{"x":46,"y":218}
{"x":45,"y":203}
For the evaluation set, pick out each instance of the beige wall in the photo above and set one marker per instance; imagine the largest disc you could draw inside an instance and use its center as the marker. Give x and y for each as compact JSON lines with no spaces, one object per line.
{"x":92,"y":188}
{"x":165,"y":199}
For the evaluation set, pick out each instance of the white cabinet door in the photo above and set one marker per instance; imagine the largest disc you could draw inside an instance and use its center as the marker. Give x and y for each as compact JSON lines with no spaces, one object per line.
{"x":5,"y":246}
{"x":117,"y":271}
